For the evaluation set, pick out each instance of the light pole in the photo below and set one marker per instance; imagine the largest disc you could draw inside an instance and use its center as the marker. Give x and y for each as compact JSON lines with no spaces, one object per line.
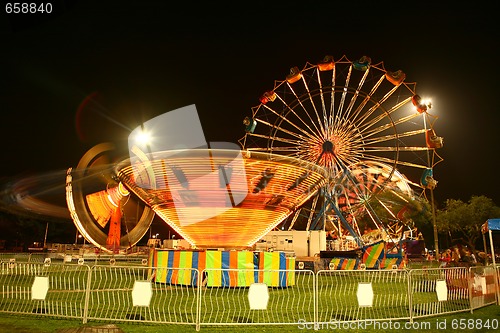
{"x":45,"y":237}
{"x":425,"y":106}
{"x":434,"y":226}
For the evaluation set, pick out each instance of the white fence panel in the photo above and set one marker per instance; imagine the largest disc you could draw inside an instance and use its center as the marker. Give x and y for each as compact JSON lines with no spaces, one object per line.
{"x":353,"y":295}
{"x":257,"y":297}
{"x":438,"y":291}
{"x":45,"y":289}
{"x":142,"y":294}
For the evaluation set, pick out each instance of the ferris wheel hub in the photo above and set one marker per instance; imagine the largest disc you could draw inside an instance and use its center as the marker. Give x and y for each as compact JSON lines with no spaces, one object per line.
{"x":328,"y":147}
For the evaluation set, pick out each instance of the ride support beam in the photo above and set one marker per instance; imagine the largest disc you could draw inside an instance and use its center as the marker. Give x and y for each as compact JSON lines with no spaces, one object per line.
{"x":113,"y":240}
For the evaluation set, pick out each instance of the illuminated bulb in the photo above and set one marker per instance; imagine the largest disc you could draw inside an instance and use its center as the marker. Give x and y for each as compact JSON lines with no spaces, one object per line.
{"x":143,"y":137}
{"x":427,"y":102}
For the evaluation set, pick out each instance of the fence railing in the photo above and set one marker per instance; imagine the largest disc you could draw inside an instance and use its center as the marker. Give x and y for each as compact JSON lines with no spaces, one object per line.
{"x":229,"y":296}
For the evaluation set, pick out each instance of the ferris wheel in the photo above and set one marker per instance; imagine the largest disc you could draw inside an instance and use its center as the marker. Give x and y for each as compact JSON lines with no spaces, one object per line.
{"x":365,"y":125}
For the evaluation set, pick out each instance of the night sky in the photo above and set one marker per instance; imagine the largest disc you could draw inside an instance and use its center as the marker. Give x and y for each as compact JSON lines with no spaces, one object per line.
{"x":92,"y":71}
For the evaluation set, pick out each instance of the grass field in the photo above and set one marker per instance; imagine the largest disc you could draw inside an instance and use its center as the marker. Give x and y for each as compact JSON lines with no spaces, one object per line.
{"x":486,"y":319}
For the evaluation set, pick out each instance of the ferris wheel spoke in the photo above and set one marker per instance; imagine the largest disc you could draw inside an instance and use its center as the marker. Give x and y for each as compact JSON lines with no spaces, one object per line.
{"x":385,"y":116}
{"x":399,"y":105}
{"x":263,"y":149}
{"x":378,"y":104}
{"x":355,"y":96}
{"x":387,"y":209}
{"x":392,"y":137}
{"x":375,"y":220}
{"x":344,"y":92}
{"x":277,"y":128}
{"x":365,"y":101}
{"x":262,"y":136}
{"x":317,"y":131}
{"x":332,"y":116}
{"x":322,"y":128}
{"x":305,"y":155}
{"x":291,"y":123}
{"x":345,"y":160}
{"x":287,"y":150}
{"x":389,"y":125}
{"x":326,"y":117}
{"x":377,"y":158}
{"x":344,"y":125}
{"x":348,"y":206}
{"x":413,"y":149}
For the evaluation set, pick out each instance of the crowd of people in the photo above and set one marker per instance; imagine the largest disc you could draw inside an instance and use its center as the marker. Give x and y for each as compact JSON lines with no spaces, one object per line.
{"x":459,"y":256}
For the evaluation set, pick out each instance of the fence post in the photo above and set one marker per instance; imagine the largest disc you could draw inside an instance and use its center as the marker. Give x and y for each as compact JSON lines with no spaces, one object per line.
{"x":316,"y":301}
{"x":469,"y":281}
{"x":496,"y":275}
{"x":410,"y":296}
{"x":87,"y":295}
{"x":199,"y":284}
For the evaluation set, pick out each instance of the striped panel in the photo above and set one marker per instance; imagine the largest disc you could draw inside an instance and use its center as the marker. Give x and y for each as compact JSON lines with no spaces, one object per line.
{"x":372,"y":254}
{"x":214,"y":260}
{"x":195,"y":265}
{"x":152,"y":264}
{"x":233,"y":264}
{"x":282,"y":274}
{"x":272,"y":261}
{"x":290,"y":266}
{"x":387,"y":263}
{"x":350,"y":264}
{"x":185,"y":263}
{"x":201,"y":264}
{"x":225,"y":265}
{"x":335,"y":263}
{"x":246,"y":267}
{"x":256,"y":264}
{"x":161,"y":261}
{"x":344,"y":263}
{"x":176,"y":257}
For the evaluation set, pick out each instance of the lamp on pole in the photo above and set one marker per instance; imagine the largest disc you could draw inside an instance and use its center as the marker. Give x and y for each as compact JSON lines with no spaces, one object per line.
{"x":422,"y":107}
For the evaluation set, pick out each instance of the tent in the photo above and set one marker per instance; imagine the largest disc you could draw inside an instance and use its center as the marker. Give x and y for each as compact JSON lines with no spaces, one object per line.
{"x":489,"y":226}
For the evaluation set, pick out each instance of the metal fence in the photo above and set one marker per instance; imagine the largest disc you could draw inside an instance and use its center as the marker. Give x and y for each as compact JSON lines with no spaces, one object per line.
{"x":346,"y":296}
{"x":290,"y":297}
{"x":44,"y":289}
{"x":129,"y":294}
{"x":215,"y":297}
{"x":76,"y":258}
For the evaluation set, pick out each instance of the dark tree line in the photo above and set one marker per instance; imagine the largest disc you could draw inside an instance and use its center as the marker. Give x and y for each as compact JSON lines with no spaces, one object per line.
{"x":22,"y":230}
{"x":460,"y":222}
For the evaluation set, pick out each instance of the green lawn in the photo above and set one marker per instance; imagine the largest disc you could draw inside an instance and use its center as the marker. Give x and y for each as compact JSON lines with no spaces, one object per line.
{"x":475,"y":322}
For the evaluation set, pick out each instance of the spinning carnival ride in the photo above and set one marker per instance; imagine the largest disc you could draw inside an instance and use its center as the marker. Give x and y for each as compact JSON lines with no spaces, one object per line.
{"x":366,"y":127}
{"x":214,"y":198}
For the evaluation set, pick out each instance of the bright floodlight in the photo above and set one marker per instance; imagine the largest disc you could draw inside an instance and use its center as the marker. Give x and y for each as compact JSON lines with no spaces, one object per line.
{"x":143,"y":137}
{"x":427,"y":102}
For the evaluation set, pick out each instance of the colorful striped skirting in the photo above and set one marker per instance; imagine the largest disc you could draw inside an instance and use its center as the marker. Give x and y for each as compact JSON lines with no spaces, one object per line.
{"x":222,"y":268}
